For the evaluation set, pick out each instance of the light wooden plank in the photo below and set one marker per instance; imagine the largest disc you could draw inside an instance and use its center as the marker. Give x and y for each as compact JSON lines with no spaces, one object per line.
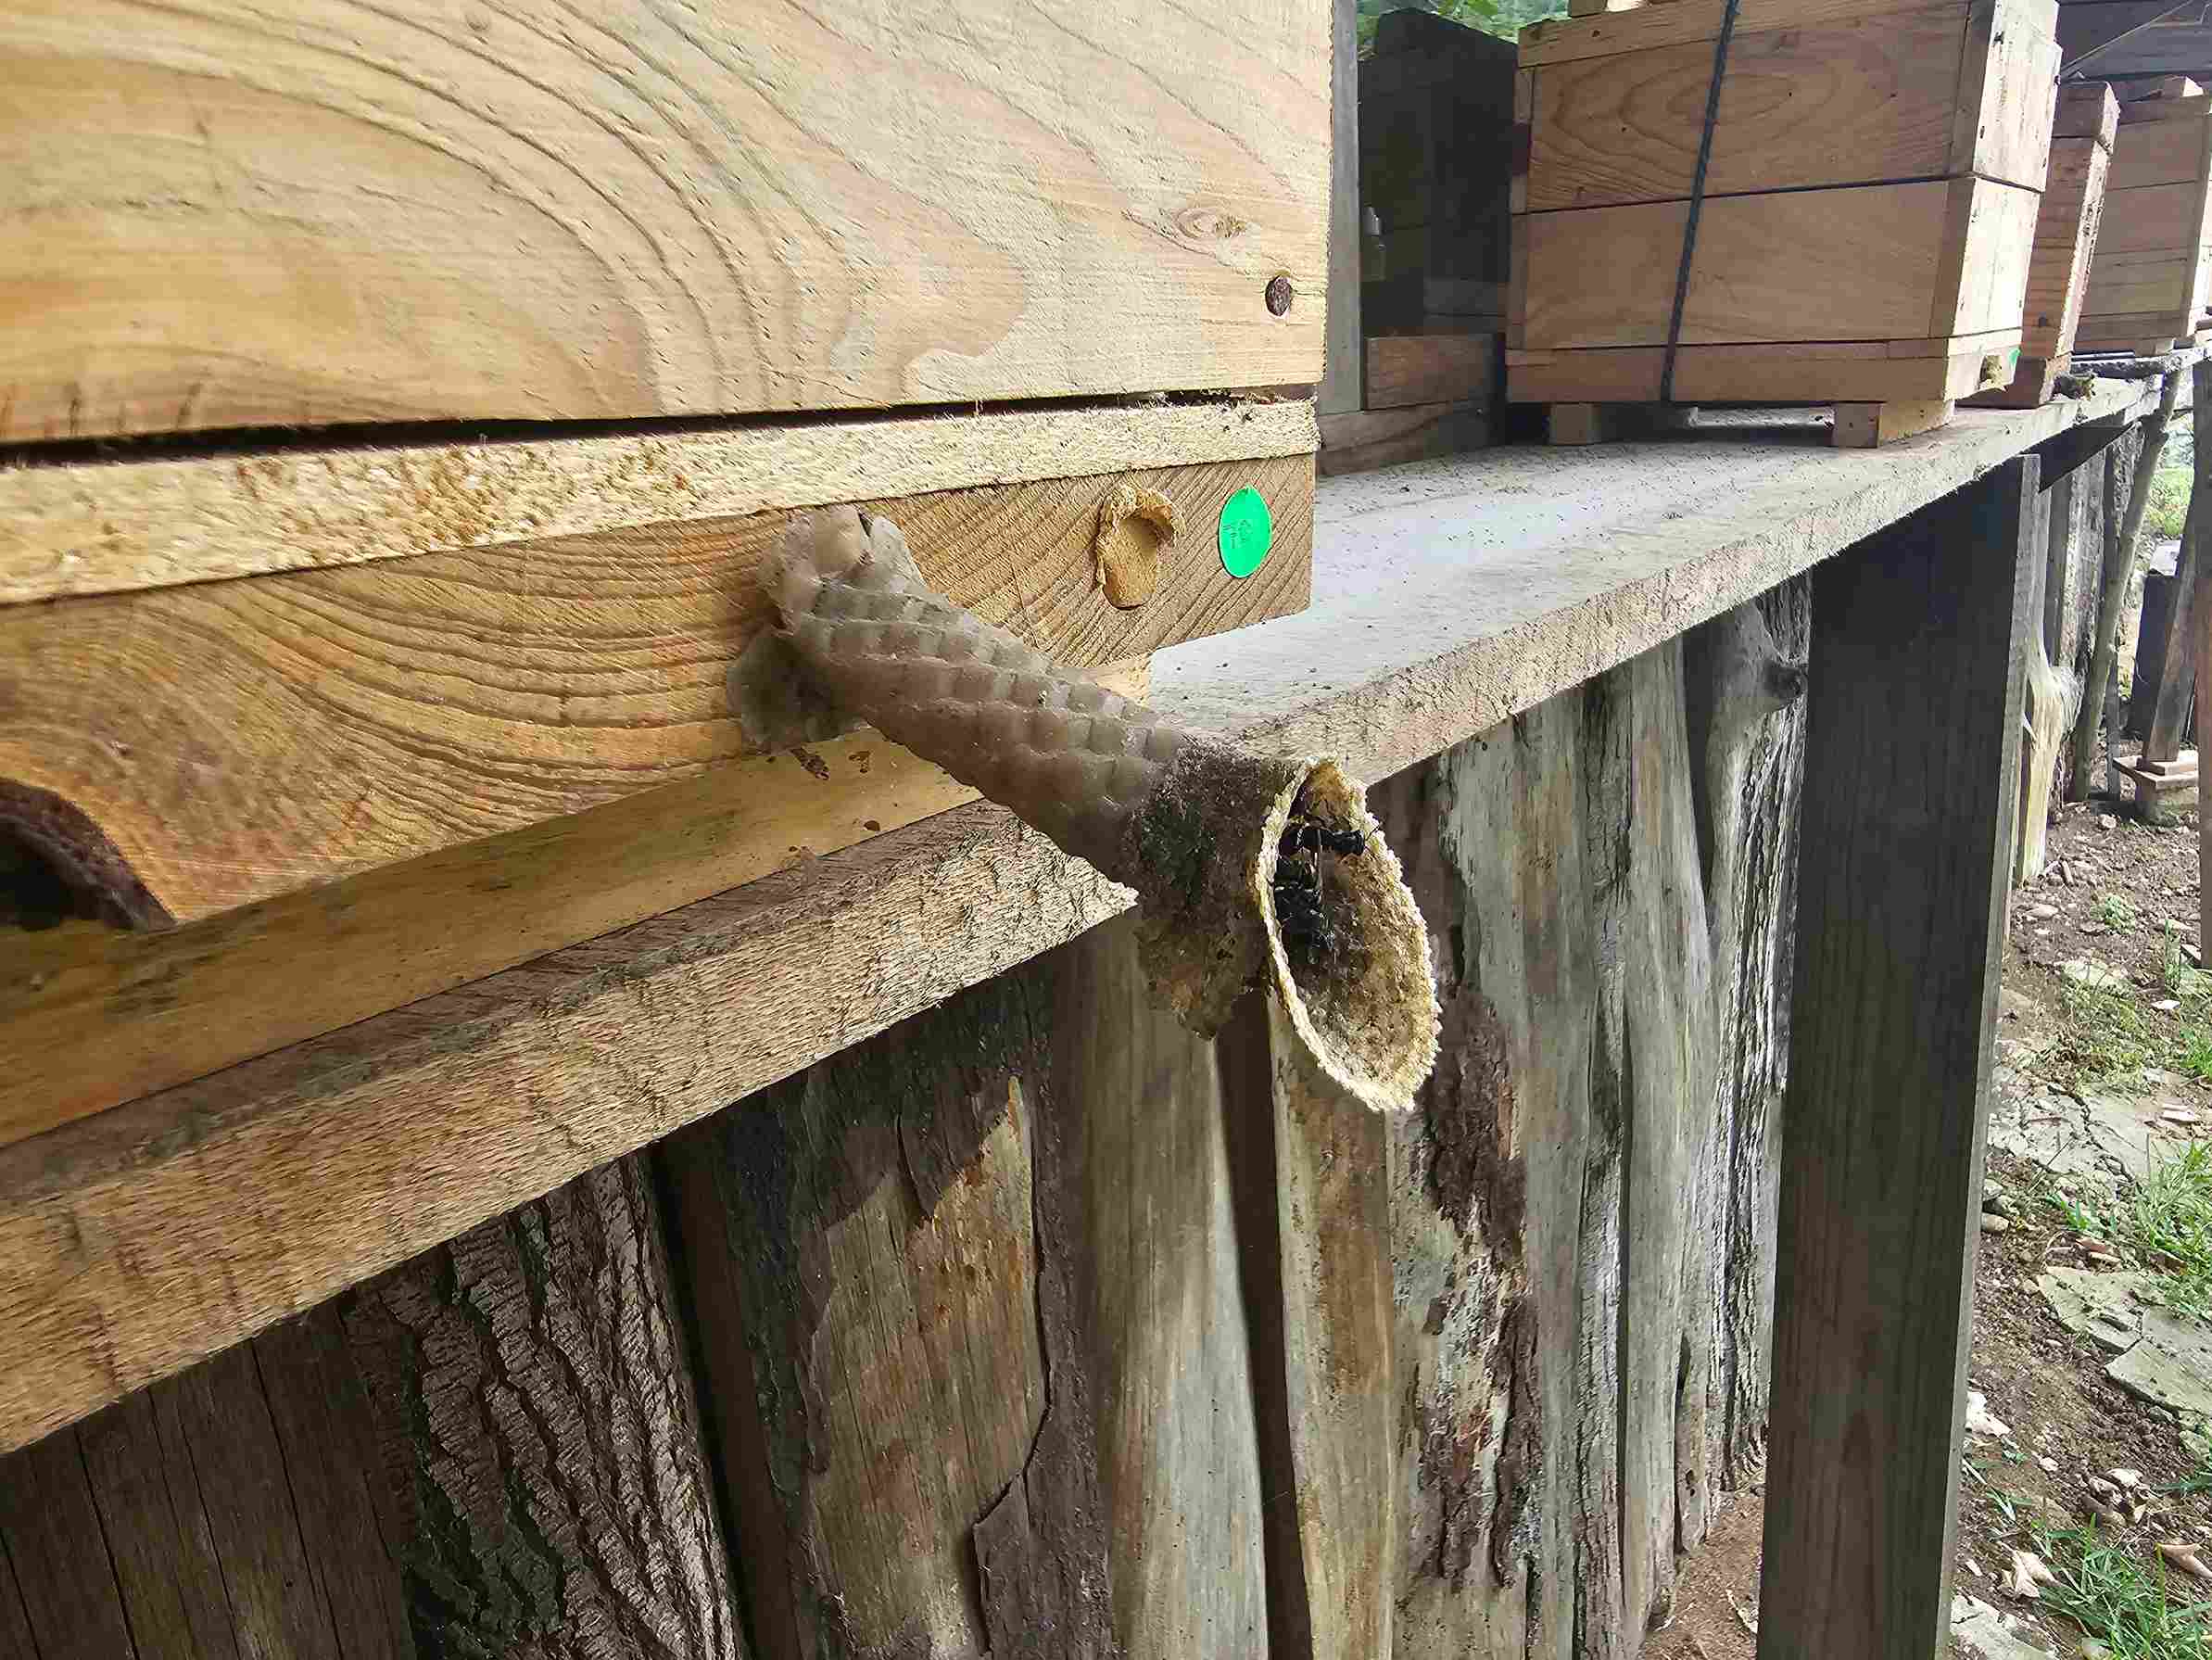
{"x":237,"y":740}
{"x":1841,"y":104}
{"x":1643,"y":28}
{"x":300,"y":215}
{"x":1454,"y":596}
{"x":1826,"y":371}
{"x":1404,"y":370}
{"x":115,"y":526}
{"x":1998,"y":247}
{"x":1865,"y":263}
{"x":2155,"y":218}
{"x":1882,"y":1154}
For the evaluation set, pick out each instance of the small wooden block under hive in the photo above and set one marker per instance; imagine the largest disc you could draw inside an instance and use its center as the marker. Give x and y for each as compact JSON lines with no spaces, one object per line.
{"x":2147,"y":285}
{"x":1408,"y":370}
{"x":311,"y":216}
{"x":2065,"y":240}
{"x":1361,"y":440}
{"x":1870,"y":200}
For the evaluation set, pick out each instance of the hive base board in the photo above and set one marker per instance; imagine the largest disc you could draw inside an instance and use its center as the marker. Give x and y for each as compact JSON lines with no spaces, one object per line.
{"x":1852,"y":427}
{"x":1831,"y":372}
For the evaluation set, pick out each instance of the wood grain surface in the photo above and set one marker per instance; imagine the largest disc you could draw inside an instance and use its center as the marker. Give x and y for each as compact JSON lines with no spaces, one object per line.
{"x":302,"y":214}
{"x":141,"y":1239}
{"x":1882,"y":1156}
{"x":234,"y":740}
{"x":105,"y":527}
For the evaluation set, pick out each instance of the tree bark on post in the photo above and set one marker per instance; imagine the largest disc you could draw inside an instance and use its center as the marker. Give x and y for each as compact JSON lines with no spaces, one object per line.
{"x":2119,"y":561}
{"x":491,"y":1451}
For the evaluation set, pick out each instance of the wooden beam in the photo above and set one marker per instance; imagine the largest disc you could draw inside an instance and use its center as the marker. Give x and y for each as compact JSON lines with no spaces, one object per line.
{"x":91,"y":1016}
{"x":473,"y":217}
{"x":232,"y":741}
{"x":179,"y":1004}
{"x":73,"y":527}
{"x":1900,"y":931}
{"x":141,"y":1239}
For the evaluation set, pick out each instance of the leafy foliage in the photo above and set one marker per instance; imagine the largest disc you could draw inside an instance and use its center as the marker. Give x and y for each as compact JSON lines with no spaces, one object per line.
{"x":1505,"y":19}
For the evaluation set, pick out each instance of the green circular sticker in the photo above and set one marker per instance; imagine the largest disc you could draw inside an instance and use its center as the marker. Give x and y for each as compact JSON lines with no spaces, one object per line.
{"x":1247,"y":532}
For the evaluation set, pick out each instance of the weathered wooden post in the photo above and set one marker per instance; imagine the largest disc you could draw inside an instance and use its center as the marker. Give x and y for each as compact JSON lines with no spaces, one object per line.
{"x":1900,"y":931}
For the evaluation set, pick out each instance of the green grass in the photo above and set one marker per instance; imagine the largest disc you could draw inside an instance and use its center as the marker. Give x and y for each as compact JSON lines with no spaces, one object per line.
{"x":2137,"y":1611}
{"x":2104,"y":1039}
{"x":2182,"y":979}
{"x":2114,"y":912}
{"x":2169,"y":505}
{"x":2164,"y":1224}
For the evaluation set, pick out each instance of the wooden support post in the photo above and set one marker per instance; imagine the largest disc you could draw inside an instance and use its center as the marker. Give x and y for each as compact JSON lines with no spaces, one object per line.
{"x":2177,"y":684}
{"x":2119,"y":558}
{"x":2200,"y":611}
{"x":1900,"y":931}
{"x":1343,"y":371}
{"x":2058,"y":556}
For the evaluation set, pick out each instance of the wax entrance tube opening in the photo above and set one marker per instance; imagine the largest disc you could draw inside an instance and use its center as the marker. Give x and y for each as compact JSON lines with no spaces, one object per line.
{"x":1249,"y":870}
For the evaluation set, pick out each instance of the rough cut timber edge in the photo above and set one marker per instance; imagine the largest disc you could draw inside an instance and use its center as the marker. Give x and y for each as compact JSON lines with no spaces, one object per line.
{"x":143,"y":1240}
{"x":111,"y":526}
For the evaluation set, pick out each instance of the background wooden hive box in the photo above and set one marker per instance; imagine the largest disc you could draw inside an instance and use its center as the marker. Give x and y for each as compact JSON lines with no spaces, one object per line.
{"x":2066,"y":242}
{"x":290,"y":214}
{"x":2147,"y":283}
{"x":1872,"y":193}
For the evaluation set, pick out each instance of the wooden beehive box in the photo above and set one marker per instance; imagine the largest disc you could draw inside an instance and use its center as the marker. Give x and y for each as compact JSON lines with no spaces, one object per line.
{"x":1869,"y":201}
{"x":2066,"y":242}
{"x":358,"y":627}
{"x":1436,"y":124}
{"x":2147,"y":283}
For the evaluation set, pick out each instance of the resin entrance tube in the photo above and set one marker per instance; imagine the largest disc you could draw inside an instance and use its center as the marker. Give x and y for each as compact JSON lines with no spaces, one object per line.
{"x":1248,"y":868}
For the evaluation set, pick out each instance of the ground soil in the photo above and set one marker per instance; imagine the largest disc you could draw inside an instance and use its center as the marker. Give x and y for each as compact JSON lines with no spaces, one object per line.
{"x":2047,"y":1385}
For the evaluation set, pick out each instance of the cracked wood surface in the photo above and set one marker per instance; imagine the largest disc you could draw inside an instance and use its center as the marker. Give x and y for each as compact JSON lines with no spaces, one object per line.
{"x":879,"y":1255}
{"x":491,"y":1451}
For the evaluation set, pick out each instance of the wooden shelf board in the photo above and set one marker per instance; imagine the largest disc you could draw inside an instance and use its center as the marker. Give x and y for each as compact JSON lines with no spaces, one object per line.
{"x":1448,"y":595}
